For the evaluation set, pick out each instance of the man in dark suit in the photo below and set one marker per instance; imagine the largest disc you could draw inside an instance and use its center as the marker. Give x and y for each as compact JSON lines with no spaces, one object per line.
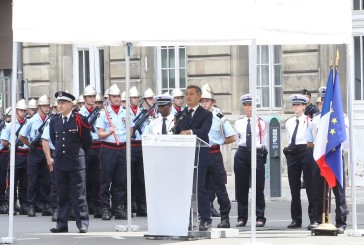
{"x":71,"y":136}
{"x":196,"y":120}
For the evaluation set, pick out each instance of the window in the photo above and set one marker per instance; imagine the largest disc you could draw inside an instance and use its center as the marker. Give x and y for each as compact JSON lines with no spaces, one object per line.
{"x":358,"y":4}
{"x":359,"y":67}
{"x":88,"y":67}
{"x":269,"y":79}
{"x":171,"y":68}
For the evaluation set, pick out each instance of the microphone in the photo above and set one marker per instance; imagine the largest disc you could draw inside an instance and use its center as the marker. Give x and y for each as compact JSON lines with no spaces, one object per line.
{"x":178,"y":117}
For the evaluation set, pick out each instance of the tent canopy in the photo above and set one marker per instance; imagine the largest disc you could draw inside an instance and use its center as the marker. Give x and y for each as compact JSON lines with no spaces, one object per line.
{"x":188,"y":22}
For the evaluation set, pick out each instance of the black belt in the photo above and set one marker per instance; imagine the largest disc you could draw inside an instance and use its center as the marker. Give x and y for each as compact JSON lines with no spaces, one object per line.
{"x":297,"y":148}
{"x":244,"y":148}
{"x":113,"y":145}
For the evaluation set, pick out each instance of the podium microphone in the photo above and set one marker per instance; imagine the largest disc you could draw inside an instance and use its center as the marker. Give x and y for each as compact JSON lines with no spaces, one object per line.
{"x":179,"y":116}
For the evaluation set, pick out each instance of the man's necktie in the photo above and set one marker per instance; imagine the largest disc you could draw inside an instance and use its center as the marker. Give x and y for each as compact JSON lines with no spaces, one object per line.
{"x":248,"y":135}
{"x":164,"y":127}
{"x":189,"y":115}
{"x":64,"y":121}
{"x":293,"y":139}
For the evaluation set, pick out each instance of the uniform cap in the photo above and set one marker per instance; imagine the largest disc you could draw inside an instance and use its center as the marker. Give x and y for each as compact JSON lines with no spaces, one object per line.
{"x":114,"y":90}
{"x":22,"y":105}
{"x":298,"y":99}
{"x":148,"y":93}
{"x":81,"y":99}
{"x":44,"y":100}
{"x":322,"y":91}
{"x":163,"y":99}
{"x":134,"y":92}
{"x":32,"y":104}
{"x":89,"y":91}
{"x":98,"y":98}
{"x":177,"y":92}
{"x":306,"y":92}
{"x":8,"y":110}
{"x":65,"y":96}
{"x":123,"y":96}
{"x":246,"y":98}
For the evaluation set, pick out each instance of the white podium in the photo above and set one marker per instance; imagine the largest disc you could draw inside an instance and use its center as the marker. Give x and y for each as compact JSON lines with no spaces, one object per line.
{"x":168,"y":171}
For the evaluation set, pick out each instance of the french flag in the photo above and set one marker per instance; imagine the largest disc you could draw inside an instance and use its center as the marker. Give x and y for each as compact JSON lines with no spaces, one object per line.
{"x":331,"y":133}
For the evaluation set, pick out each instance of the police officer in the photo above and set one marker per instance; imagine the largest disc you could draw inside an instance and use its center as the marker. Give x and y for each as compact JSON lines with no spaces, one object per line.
{"x":220,"y":133}
{"x":4,"y":160}
{"x":32,"y":107}
{"x":112,"y":133}
{"x":242,"y":164}
{"x":164,"y":123}
{"x":90,"y":111}
{"x":178,"y":97}
{"x":71,"y":137}
{"x":318,"y":180}
{"x":38,"y":172}
{"x":139,"y":205}
{"x":298,"y":160}
{"x":21,"y":157}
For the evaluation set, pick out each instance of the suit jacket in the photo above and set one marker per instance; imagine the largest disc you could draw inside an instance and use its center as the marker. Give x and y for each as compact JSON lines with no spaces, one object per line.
{"x":200,"y":124}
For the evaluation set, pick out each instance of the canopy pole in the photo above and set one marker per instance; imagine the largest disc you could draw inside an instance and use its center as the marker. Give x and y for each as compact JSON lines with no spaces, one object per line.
{"x":252,"y":90}
{"x":11,"y":239}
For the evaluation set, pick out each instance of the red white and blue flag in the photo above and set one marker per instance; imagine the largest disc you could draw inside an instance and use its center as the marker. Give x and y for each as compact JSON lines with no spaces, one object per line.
{"x":331,"y":133}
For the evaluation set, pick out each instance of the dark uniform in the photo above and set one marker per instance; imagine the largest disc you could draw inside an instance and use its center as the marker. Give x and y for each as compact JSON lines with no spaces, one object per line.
{"x":72,"y":140}
{"x":298,"y":162}
{"x":4,"y":162}
{"x":242,"y":167}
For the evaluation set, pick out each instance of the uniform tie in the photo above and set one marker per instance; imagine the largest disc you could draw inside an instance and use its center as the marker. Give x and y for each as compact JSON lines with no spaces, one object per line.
{"x":64,"y":121}
{"x":164,"y":127}
{"x":248,"y":135}
{"x":189,"y":115}
{"x":293,"y":139}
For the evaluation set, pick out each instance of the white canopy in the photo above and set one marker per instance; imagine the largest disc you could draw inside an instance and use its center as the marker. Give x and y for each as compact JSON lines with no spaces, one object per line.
{"x":188,"y":22}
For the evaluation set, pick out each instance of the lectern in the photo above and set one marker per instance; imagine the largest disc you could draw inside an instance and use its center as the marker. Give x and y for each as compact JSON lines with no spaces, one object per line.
{"x":169,"y":162}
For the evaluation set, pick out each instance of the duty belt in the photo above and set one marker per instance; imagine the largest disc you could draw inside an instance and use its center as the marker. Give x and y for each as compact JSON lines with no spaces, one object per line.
{"x":96,"y":144}
{"x":246,"y":149}
{"x":297,"y":148}
{"x":215,"y":149}
{"x":22,"y":152}
{"x":136,"y":143}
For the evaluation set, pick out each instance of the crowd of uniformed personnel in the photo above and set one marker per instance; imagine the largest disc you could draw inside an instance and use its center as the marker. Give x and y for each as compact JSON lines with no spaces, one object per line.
{"x":70,"y":159}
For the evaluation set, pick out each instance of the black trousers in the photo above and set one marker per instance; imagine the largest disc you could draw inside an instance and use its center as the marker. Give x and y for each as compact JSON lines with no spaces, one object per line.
{"x":93,"y":176}
{"x":242,"y":170}
{"x":71,"y":187}
{"x":340,"y":200}
{"x":20,"y":178}
{"x":4,"y":163}
{"x":113,"y":175}
{"x":137,"y":174}
{"x":300,"y":162}
{"x":38,"y":177}
{"x":217,"y":180}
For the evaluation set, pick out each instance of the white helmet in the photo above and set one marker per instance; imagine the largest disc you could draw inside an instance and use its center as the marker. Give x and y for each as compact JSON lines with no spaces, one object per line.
{"x":81,"y":99}
{"x":22,"y":105}
{"x":177,"y":92}
{"x":134,"y":92}
{"x":106,"y":94}
{"x":32,"y":104}
{"x":74,"y":103}
{"x":55,"y":103}
{"x":98,"y":98}
{"x":89,"y":91}
{"x":8,"y":110}
{"x":44,"y":100}
{"x":123,"y":96}
{"x":207,"y":88}
{"x":148,"y":93}
{"x":114,"y":90}
{"x":207,"y":95}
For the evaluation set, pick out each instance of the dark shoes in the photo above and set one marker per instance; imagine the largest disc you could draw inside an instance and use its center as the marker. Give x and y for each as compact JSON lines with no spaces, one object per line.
{"x":31,"y":211}
{"x":341,"y":229}
{"x":241,"y":223}
{"x":225,"y":222}
{"x":260,"y":223}
{"x":106,"y":214}
{"x":83,"y":230}
{"x":97,"y":213}
{"x":294,"y":225}
{"x":3,"y":208}
{"x":204,"y":226}
{"x":59,"y":230}
{"x":141,"y":211}
{"x":120,"y":213}
{"x":47,"y":210}
{"x":312,"y":225}
{"x":23,"y":209}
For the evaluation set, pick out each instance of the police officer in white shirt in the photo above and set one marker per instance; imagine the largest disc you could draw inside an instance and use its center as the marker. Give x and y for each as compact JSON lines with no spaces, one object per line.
{"x":164,"y":122}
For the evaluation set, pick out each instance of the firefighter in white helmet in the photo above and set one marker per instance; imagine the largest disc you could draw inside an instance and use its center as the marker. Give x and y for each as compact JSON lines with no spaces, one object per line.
{"x":21,"y":158}
{"x":38,"y":173}
{"x":91,"y":112}
{"x":80,"y":102}
{"x":123,"y":99}
{"x":148,"y":101}
{"x":178,"y":97}
{"x":32,"y":107}
{"x":99,"y":100}
{"x":111,"y":129}
{"x":8,"y":115}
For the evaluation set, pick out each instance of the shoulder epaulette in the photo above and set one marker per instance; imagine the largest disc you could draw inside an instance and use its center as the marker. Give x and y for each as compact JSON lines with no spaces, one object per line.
{"x":219,"y":115}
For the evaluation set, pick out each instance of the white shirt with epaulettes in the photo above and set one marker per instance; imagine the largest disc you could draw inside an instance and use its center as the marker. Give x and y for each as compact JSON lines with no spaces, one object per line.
{"x":304,"y":122}
{"x":240,"y":129}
